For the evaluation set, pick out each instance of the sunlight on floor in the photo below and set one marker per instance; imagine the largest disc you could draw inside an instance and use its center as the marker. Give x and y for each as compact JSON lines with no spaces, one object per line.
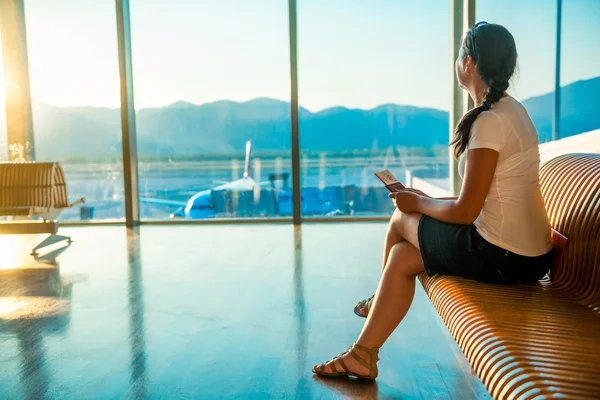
{"x":11,"y":252}
{"x":15,"y":252}
{"x":18,"y":266}
{"x":19,"y":308}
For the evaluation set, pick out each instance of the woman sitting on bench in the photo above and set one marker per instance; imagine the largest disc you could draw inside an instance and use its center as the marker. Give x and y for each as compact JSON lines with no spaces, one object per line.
{"x":496,"y":231}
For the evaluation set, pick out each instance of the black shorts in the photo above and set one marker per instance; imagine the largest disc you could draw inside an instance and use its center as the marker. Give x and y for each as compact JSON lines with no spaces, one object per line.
{"x":459,"y":250}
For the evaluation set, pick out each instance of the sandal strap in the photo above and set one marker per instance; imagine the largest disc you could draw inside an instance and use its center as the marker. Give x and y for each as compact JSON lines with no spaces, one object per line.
{"x":344,"y":366}
{"x":372,"y":366}
{"x":360,"y":360}
{"x":341,"y":361}
{"x":363,"y":348}
{"x":362,"y":305}
{"x":364,"y":302}
{"x":374,"y":352}
{"x":332,"y":365}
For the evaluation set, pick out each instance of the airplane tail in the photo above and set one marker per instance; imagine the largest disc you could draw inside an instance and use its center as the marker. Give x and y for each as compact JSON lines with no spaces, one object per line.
{"x":247,"y":163}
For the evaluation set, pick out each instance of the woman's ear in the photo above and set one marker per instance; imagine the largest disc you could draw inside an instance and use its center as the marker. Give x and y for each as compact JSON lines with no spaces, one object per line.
{"x":469,"y":65}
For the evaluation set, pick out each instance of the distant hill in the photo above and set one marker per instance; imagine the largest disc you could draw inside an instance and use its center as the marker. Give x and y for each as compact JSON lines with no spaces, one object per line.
{"x":221,"y":127}
{"x":75,"y":132}
{"x":580,"y":109}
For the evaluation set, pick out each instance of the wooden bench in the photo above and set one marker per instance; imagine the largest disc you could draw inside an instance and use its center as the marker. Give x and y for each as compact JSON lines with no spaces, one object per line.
{"x":540,"y":341}
{"x":30,"y":191}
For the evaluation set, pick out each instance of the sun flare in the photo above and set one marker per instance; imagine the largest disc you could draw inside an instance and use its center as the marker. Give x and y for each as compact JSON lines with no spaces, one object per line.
{"x":2,"y":87}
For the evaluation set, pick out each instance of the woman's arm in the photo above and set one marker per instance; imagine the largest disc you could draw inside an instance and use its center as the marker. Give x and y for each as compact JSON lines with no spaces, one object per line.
{"x":480,"y":169}
{"x":421,"y":193}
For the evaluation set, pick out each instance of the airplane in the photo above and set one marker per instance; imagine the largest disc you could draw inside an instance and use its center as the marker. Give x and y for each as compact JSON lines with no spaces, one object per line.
{"x":246,"y":196}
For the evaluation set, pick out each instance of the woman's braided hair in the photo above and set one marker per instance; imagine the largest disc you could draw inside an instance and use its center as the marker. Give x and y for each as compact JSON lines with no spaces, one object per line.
{"x":494,"y":54}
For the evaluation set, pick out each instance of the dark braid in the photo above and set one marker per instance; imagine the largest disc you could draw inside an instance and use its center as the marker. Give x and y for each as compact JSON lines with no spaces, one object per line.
{"x":494,"y":54}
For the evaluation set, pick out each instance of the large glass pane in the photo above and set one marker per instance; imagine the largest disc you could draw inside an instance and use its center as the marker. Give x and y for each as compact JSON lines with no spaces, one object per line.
{"x":209,"y":77}
{"x":374,"y":83}
{"x":73,"y":62}
{"x":580,"y":71}
{"x":533,"y":25}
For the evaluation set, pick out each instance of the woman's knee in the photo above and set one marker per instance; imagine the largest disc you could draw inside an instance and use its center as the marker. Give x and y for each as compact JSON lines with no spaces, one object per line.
{"x":397,"y":222}
{"x":405,"y":259}
{"x":405,"y":226}
{"x":396,"y":219}
{"x":393,"y":232}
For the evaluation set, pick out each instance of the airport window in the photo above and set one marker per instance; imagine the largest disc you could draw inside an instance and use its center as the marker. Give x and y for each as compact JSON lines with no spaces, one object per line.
{"x":73,"y":68}
{"x":212,"y":97}
{"x":580,"y":68}
{"x":212,"y":93}
{"x":534,"y":30}
{"x":374,"y":84}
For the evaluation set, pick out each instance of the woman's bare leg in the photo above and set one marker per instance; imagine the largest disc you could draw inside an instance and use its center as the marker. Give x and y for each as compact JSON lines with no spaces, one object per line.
{"x":394,"y":294}
{"x":392,"y":236}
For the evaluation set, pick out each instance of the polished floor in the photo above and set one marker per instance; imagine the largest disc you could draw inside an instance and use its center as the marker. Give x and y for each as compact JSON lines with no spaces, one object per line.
{"x":209,"y":312}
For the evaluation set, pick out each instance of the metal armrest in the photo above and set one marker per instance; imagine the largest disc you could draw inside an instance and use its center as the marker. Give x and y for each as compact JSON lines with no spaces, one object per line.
{"x":78,"y":201}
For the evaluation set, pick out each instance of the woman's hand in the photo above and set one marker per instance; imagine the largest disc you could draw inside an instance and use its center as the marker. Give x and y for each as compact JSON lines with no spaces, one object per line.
{"x":405,"y":201}
{"x":417,"y":191}
{"x":464,"y":210}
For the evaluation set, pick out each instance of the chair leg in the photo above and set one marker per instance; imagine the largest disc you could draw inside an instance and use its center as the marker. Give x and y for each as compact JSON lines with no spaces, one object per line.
{"x":50,"y":240}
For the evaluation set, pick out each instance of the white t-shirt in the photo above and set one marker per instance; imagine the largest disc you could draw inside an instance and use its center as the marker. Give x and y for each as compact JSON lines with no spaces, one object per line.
{"x":513,"y":216}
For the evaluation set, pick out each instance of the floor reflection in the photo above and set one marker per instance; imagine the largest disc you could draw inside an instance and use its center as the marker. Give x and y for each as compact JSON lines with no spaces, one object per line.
{"x":35,"y":301}
{"x":213,"y":312}
{"x":34,"y":375}
{"x":139,"y":384}
{"x":299,"y":312}
{"x":351,"y":388}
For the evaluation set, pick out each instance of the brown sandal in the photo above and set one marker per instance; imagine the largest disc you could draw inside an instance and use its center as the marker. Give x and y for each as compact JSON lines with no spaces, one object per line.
{"x":364,"y":304}
{"x":371,"y":365}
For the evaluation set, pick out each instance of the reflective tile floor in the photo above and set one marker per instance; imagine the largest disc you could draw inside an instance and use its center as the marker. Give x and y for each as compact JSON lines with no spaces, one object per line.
{"x":209,"y":312}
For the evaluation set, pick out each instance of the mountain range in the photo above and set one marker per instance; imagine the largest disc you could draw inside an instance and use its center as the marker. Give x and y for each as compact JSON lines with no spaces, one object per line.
{"x":222,"y":127}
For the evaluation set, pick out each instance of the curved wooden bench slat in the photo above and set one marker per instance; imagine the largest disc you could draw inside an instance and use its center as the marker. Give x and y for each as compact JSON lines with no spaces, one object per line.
{"x":538,"y":341}
{"x":30,"y":186}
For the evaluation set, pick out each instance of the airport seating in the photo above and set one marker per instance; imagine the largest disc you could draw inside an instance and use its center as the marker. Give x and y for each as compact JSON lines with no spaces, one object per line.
{"x":540,"y":341}
{"x":33,"y":194}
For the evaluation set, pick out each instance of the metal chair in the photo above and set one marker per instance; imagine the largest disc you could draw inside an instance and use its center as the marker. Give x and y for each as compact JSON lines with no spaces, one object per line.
{"x":33,"y":194}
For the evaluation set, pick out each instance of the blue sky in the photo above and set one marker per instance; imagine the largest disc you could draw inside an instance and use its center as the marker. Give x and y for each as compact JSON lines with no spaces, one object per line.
{"x":354,"y":53}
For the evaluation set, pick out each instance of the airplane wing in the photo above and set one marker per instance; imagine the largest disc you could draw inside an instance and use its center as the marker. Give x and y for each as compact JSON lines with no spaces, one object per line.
{"x":163,"y":202}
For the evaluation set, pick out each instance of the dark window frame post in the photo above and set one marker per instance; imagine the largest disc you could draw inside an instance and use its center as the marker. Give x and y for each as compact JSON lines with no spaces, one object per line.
{"x":556,"y":116}
{"x":296,"y":190}
{"x":19,"y":118}
{"x":128,"y":127}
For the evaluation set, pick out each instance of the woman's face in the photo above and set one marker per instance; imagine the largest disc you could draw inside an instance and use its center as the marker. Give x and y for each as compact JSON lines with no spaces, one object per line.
{"x":463,"y":69}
